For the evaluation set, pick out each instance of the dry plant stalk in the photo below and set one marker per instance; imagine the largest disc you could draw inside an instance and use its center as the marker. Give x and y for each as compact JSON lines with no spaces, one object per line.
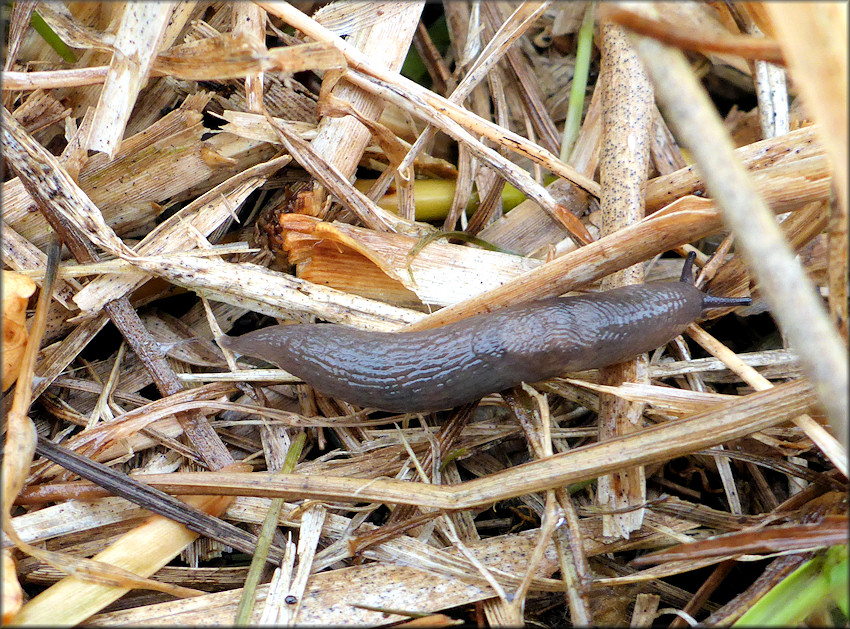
{"x":44,"y":177}
{"x":626,"y":123}
{"x":814,"y":40}
{"x":163,"y":539}
{"x":341,"y":141}
{"x":376,"y":587}
{"x":742,"y":416}
{"x":476,"y":124}
{"x":831,"y":448}
{"x":791,"y":295}
{"x":188,"y":227}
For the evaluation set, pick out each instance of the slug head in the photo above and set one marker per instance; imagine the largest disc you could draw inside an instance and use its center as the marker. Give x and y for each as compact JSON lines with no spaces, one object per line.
{"x":710,"y":301}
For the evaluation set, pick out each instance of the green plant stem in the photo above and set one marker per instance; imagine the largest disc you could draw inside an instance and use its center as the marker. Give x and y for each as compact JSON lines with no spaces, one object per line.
{"x":579,"y":87}
{"x":434,"y":197}
{"x":264,"y":540}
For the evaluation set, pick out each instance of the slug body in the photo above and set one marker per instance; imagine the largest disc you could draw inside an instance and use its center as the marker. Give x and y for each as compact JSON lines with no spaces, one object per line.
{"x":444,"y":367}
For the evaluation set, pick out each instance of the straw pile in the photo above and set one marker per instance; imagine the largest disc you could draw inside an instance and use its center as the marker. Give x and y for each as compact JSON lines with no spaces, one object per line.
{"x":179,"y":170}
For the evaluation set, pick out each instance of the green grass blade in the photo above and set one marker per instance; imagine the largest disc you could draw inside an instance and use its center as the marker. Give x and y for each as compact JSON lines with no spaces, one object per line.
{"x":48,"y":34}
{"x":579,"y":87}
{"x":818,"y":585}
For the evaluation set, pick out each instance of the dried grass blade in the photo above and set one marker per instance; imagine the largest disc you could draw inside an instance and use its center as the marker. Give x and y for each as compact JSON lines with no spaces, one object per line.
{"x":19,"y":22}
{"x":433,"y":102}
{"x":248,"y":18}
{"x":21,"y":255}
{"x":51,"y":366}
{"x":163,"y":540}
{"x":72,"y":516}
{"x":11,"y":593}
{"x":139,"y":35}
{"x":385,"y":39}
{"x":275,"y":294}
{"x":742,"y":416}
{"x":181,"y":231}
{"x":48,"y":182}
{"x":172,"y":164}
{"x":96,"y":572}
{"x":311,"y":527}
{"x":831,"y":448}
{"x":152,"y":499}
{"x":814,"y":40}
{"x":233,"y":55}
{"x":519,"y":21}
{"x":789,"y":148}
{"x":330,"y":177}
{"x":258,"y":560}
{"x":670,"y":400}
{"x":72,"y":31}
{"x":747,"y":46}
{"x":830,"y":531}
{"x":53,"y":79}
{"x":17,"y":290}
{"x":690,"y":219}
{"x":100,"y":442}
{"x":439,"y":273}
{"x":329,"y":595}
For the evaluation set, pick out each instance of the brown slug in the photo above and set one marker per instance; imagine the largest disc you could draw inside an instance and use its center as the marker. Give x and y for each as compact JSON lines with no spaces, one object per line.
{"x":463,"y":361}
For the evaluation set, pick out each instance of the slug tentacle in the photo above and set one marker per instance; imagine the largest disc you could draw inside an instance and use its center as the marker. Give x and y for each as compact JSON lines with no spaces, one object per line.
{"x":710,"y":301}
{"x":688,"y":268}
{"x":444,"y":367}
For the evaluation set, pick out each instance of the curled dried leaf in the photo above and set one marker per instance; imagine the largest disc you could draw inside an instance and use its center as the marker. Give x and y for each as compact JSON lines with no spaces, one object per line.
{"x":13,"y":596}
{"x":17,"y":289}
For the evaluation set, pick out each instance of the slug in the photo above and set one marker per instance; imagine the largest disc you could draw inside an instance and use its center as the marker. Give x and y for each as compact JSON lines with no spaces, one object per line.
{"x":460,"y":362}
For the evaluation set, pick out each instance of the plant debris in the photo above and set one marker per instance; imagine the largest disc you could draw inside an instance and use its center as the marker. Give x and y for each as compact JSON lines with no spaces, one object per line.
{"x":212,"y":168}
